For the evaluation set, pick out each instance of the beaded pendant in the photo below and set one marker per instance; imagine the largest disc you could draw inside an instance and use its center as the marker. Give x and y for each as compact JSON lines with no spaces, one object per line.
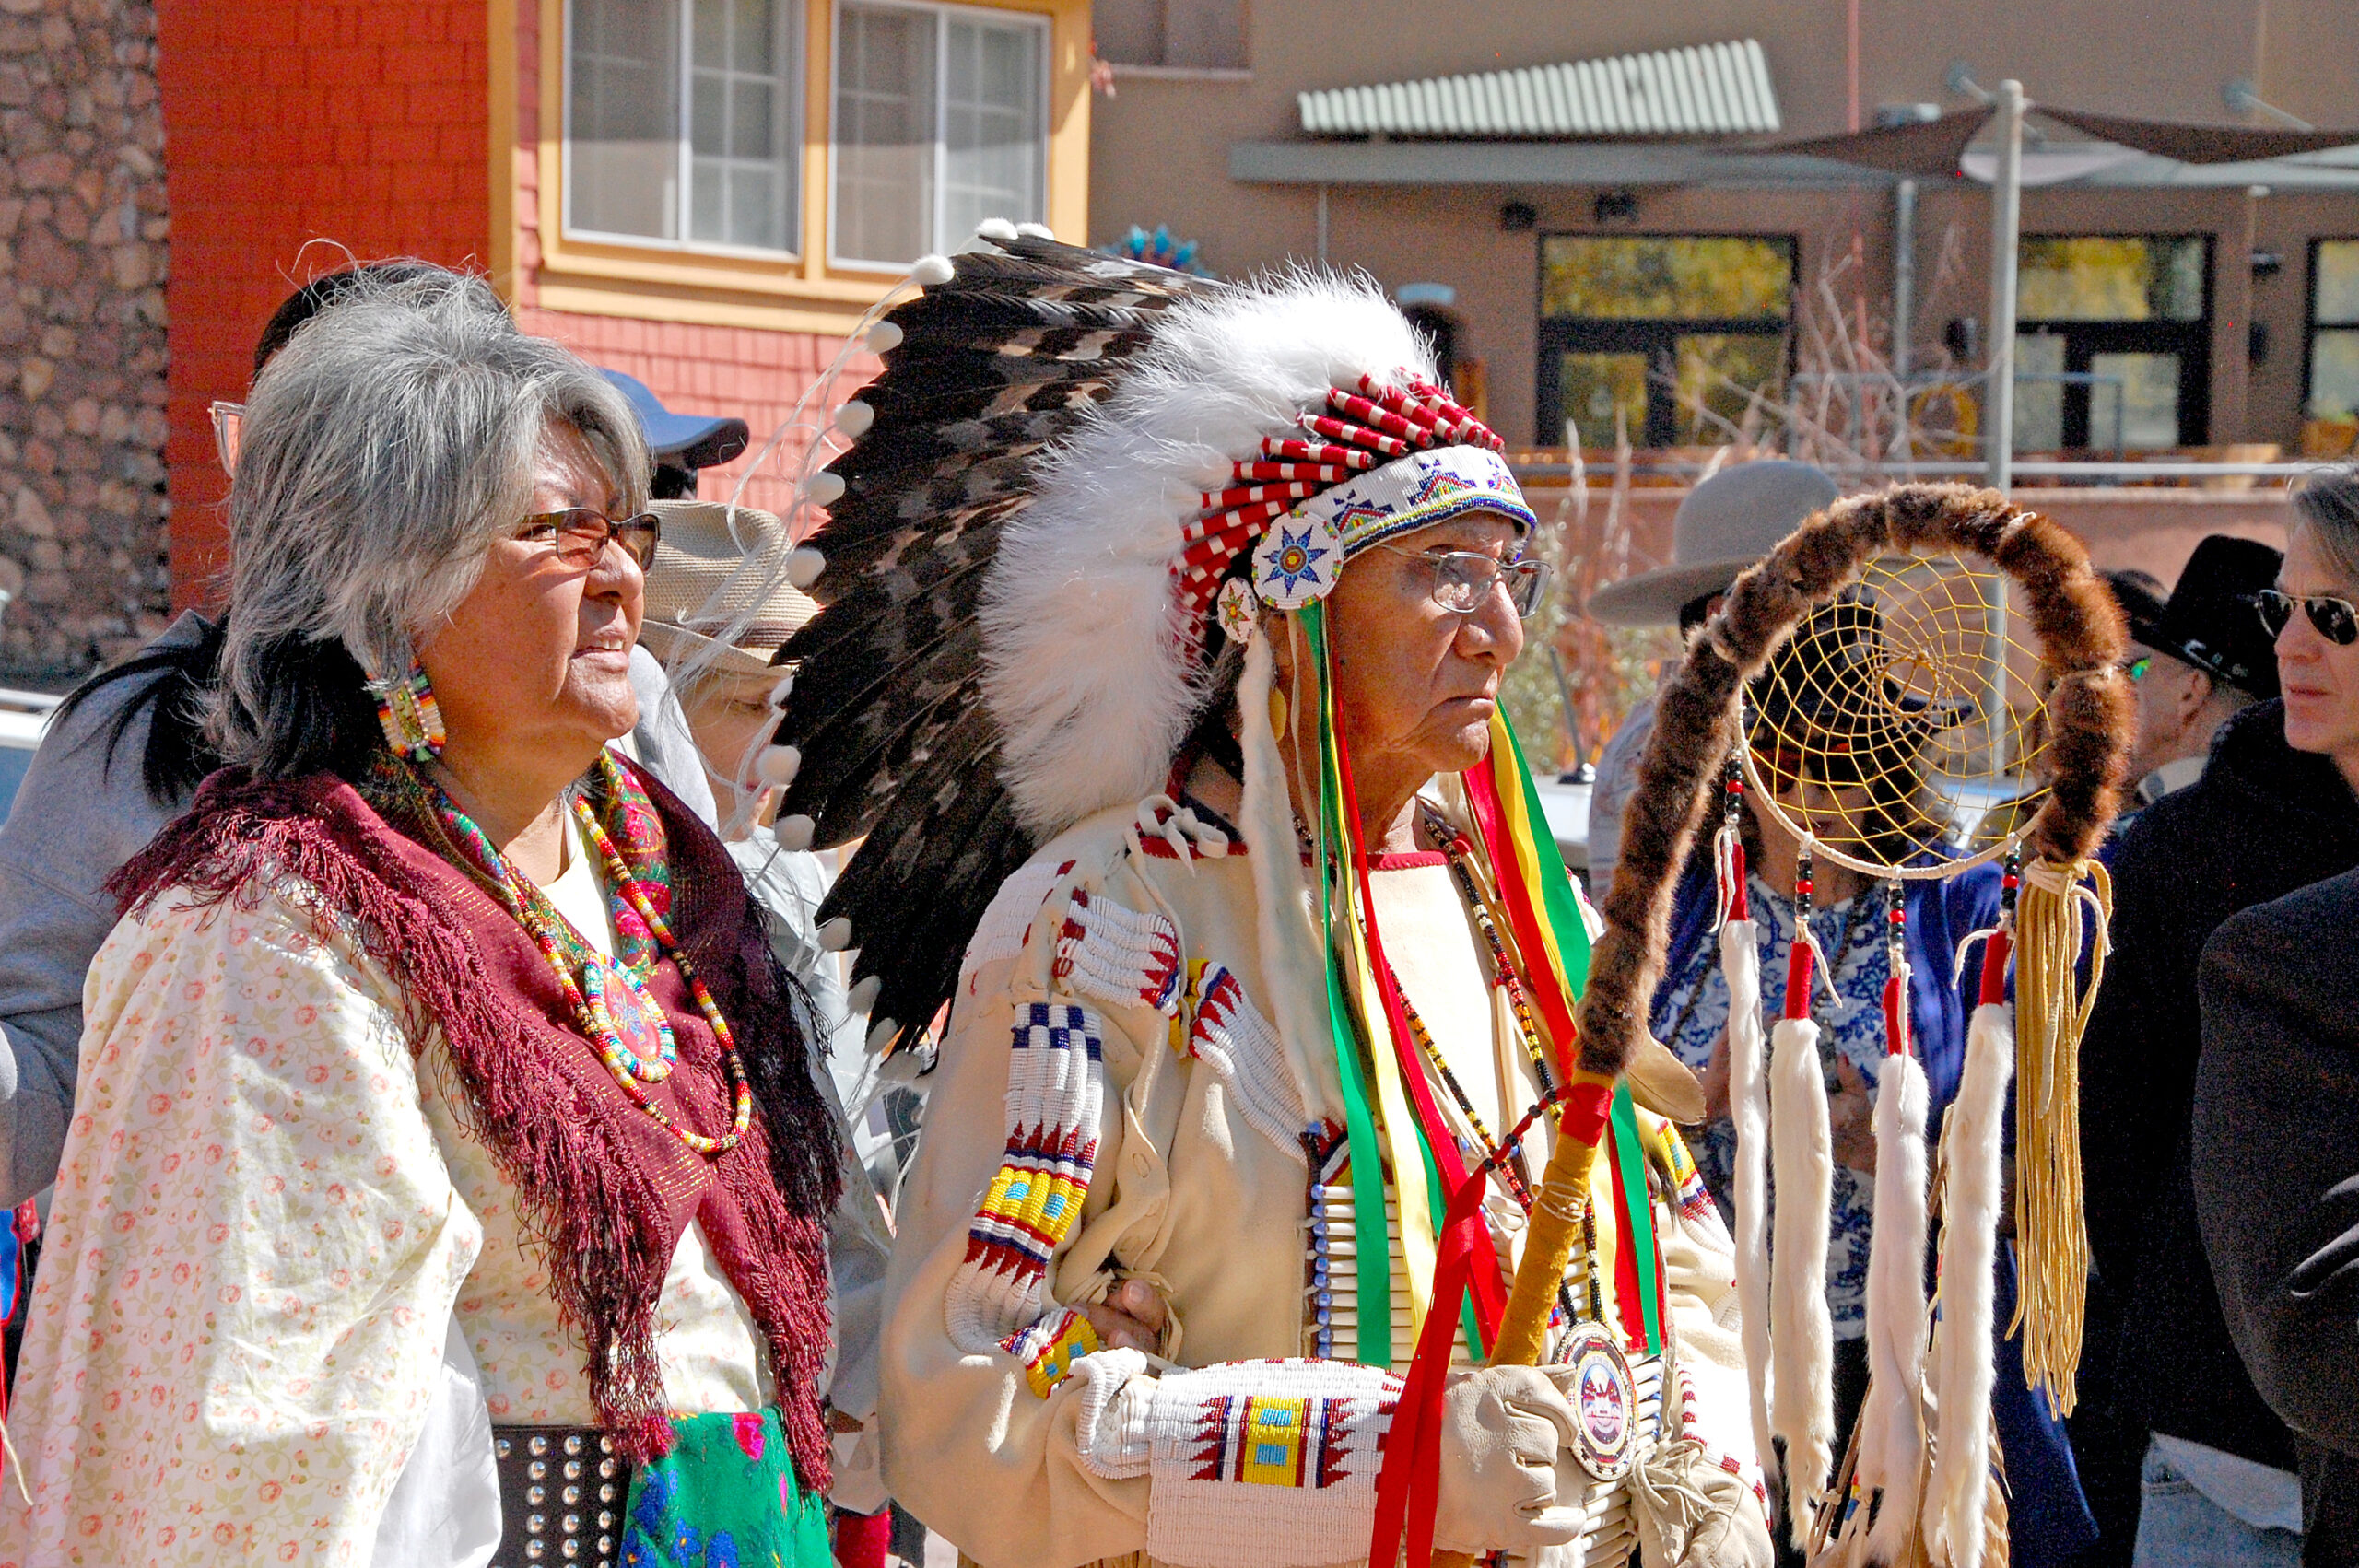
{"x":633,"y":1035}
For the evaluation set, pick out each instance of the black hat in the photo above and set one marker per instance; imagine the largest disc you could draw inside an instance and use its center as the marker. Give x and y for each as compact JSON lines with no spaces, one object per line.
{"x":1828,"y":692}
{"x":2208,"y":621}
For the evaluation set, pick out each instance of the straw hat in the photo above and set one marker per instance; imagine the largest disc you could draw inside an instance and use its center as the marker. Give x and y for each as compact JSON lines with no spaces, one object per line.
{"x":707,"y":581}
{"x":1725,"y":524}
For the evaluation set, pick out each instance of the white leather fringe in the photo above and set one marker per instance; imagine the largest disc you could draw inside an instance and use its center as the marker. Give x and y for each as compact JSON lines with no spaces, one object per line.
{"x":1292,"y":964}
{"x":1962,"y":1351}
{"x":1801,"y":1387}
{"x":1749,"y":1106}
{"x":1891,"y":1426}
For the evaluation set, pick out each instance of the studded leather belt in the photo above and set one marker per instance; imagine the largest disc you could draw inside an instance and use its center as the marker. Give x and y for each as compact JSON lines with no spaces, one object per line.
{"x":561,"y":1496}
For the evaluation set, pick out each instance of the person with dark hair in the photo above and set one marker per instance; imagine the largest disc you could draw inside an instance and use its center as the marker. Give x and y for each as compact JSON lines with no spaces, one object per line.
{"x":2274,"y":810}
{"x":1725,"y":524}
{"x":123,"y":755}
{"x":448,"y":1177}
{"x":1844,"y":765}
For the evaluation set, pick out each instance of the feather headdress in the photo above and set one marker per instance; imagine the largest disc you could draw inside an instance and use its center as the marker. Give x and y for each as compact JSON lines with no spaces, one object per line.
{"x":1066,"y":459}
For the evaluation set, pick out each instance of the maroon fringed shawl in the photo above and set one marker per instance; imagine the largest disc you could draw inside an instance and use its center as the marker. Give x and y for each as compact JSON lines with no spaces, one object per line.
{"x":605,"y":1188}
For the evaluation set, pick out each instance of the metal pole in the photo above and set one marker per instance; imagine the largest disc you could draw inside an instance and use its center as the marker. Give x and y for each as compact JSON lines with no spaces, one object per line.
{"x":2006,"y":224}
{"x":1904,"y":274}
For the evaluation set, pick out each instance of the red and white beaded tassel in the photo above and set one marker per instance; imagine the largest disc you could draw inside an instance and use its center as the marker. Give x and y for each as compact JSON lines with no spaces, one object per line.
{"x":1972,"y":1189}
{"x":1891,"y":1426}
{"x":1802,"y":1389}
{"x":1748,"y":1105}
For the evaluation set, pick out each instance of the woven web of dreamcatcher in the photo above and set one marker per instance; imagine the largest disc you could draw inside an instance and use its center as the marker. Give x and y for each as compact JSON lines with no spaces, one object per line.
{"x":1905,"y":715}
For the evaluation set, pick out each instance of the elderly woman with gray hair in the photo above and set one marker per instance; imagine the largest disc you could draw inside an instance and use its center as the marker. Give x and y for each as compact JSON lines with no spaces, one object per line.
{"x":447,"y":1182}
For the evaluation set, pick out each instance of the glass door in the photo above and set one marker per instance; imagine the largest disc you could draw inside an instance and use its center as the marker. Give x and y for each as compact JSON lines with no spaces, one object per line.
{"x":2114,"y":351}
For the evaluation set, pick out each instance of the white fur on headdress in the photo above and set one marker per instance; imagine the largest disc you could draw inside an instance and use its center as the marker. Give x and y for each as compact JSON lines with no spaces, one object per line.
{"x":1081,"y":635}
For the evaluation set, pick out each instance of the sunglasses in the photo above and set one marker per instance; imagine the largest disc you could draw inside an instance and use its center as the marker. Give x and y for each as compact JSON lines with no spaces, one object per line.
{"x":1783,"y":766}
{"x":2136,"y":667}
{"x":581,"y":535}
{"x":1462,"y":579}
{"x":2337,"y":620}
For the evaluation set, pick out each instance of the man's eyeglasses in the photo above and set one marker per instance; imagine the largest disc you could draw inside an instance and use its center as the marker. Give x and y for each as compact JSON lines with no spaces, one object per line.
{"x":1462,"y":579}
{"x":2136,"y":667}
{"x":581,"y":535}
{"x":2336,"y":619}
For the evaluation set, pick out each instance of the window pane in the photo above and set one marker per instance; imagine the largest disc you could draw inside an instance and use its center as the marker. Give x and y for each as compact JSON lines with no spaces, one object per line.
{"x":1718,"y":376}
{"x":747,"y":158}
{"x":2147,"y":398}
{"x":622,"y":119}
{"x":2334,"y":374}
{"x":2338,"y":281}
{"x":2039,"y":401}
{"x":885,"y":92}
{"x":1592,"y":387}
{"x":992,"y":148}
{"x":1706,"y":277}
{"x":2110,"y":278}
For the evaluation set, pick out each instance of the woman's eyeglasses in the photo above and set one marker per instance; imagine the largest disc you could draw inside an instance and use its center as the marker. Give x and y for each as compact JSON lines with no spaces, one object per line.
{"x":228,"y":422}
{"x":2337,"y":620}
{"x":581,"y":535}
{"x":1462,"y":579}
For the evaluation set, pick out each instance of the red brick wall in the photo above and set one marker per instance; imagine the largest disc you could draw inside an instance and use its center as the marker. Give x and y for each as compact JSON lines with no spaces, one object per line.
{"x":357,"y":122}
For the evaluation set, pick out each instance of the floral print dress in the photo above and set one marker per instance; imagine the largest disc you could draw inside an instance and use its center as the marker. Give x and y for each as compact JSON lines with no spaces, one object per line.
{"x":1694,"y":1013}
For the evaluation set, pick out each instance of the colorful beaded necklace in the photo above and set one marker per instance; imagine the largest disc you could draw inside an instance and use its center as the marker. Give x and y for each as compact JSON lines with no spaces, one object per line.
{"x":583,"y":971}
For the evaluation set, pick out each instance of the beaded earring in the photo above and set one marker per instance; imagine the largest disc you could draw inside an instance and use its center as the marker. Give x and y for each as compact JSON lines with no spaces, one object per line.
{"x":405,"y":707}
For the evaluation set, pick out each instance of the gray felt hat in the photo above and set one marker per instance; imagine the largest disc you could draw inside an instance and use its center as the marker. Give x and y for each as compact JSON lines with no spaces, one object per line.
{"x":1725,"y":524}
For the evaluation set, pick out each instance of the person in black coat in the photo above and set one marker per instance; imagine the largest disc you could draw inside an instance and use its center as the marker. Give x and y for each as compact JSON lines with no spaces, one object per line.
{"x":2270,"y":816}
{"x":2276,"y":1165}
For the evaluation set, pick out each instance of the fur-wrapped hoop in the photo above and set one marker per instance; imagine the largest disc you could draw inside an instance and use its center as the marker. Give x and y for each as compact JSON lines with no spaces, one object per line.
{"x":2067,"y":606}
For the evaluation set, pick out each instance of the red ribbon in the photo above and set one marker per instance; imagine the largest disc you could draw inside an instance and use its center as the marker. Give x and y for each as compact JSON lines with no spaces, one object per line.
{"x":1490,"y":1292}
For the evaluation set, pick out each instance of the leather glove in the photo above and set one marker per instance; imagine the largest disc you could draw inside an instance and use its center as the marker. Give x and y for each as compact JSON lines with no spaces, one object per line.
{"x":1691,"y":1513}
{"x":1503,"y":1429}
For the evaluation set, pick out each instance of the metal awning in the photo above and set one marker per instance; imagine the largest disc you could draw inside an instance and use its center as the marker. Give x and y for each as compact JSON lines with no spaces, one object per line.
{"x":1711,"y":90}
{"x":2098,"y":151}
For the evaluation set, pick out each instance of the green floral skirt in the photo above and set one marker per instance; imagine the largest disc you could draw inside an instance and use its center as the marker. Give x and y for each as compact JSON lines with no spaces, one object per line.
{"x":725,"y":1497}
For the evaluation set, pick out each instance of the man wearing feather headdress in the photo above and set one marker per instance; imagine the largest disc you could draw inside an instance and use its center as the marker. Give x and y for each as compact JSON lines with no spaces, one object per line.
{"x":1160,"y":668}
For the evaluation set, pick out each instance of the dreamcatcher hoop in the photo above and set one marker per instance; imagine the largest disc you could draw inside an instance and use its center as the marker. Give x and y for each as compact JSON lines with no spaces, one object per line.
{"x":2088,"y":709}
{"x":1900,"y":684}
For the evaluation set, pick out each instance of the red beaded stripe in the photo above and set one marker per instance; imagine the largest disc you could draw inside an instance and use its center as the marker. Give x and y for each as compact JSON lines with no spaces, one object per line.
{"x":1222,"y":499}
{"x":1316,"y":452}
{"x":1321,"y":472}
{"x":1357,"y":435}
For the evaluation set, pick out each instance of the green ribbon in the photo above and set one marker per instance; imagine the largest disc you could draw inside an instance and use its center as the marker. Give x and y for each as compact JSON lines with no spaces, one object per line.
{"x":1631,"y":1170}
{"x":1374,"y":1264}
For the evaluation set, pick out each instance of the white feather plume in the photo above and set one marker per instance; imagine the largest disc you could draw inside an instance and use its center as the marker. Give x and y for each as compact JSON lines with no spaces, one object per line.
{"x":1801,"y":1391}
{"x":1749,"y":1105}
{"x":1081,"y":635}
{"x":1891,"y":1427}
{"x":1962,"y":1351}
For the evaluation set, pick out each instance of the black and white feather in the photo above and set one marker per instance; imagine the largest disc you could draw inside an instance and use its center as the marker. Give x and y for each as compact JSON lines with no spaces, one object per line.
{"x":982,"y":373}
{"x":1001,"y":653}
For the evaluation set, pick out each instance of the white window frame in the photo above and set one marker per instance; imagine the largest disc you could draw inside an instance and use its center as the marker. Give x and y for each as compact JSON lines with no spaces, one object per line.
{"x":1038,"y":24}
{"x":795,"y":139}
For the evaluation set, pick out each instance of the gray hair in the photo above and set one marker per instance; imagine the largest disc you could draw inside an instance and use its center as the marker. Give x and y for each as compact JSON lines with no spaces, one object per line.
{"x":2328,"y":505}
{"x":384,"y":451}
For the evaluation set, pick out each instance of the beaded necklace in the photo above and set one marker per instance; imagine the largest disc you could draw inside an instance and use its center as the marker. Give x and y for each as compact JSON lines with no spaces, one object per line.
{"x":584,"y":985}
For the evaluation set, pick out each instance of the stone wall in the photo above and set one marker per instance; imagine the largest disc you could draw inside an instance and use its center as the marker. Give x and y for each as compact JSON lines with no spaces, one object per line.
{"x":83,"y":232}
